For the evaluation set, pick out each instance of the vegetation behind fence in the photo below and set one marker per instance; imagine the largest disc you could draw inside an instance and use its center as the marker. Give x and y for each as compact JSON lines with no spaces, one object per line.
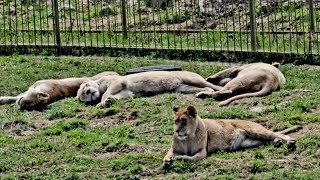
{"x":268,"y":26}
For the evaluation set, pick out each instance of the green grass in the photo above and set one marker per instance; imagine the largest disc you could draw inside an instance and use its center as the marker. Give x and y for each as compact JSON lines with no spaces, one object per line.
{"x":129,"y":139}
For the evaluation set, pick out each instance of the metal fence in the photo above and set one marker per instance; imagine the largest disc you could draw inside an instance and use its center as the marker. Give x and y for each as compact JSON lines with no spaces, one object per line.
{"x":277,"y":26}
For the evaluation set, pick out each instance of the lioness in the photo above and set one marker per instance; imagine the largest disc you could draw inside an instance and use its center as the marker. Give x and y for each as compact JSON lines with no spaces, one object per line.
{"x":195,"y":138}
{"x":142,"y":84}
{"x":44,"y":92}
{"x":256,"y":79}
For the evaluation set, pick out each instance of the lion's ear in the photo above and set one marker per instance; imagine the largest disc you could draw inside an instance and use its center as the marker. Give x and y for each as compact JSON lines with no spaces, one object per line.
{"x":276,"y":64}
{"x":43,"y":96}
{"x":175,"y":109}
{"x":192,"y":111}
{"x":85,"y":81}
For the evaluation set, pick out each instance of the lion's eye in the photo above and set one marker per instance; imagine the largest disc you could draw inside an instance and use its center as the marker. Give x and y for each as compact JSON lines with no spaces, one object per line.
{"x":88,"y":91}
{"x":183,"y":121}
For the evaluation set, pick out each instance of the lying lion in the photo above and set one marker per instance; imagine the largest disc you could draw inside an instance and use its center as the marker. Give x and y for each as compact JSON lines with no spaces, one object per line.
{"x":252,"y":80}
{"x":194,"y":138}
{"x":44,"y":92}
{"x":142,"y":84}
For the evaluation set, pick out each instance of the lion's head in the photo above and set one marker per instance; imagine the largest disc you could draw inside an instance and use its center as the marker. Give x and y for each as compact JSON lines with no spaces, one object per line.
{"x":88,"y":91}
{"x":185,"y":122}
{"x":33,"y":100}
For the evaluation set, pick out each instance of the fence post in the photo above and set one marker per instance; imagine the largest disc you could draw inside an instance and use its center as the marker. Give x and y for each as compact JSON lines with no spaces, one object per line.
{"x":253,"y":30}
{"x":124,"y":19}
{"x":56,"y":25}
{"x":312,"y":24}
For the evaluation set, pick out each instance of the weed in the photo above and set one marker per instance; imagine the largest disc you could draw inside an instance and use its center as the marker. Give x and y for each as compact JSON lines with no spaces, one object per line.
{"x":257,"y":166}
{"x":231,"y":113}
{"x":60,"y":127}
{"x":259,"y":155}
{"x":104,"y":112}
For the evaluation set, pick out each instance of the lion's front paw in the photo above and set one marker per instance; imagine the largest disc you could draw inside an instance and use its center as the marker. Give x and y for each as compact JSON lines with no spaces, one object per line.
{"x":104,"y":104}
{"x":292,"y":143}
{"x":101,"y":105}
{"x":167,"y":163}
{"x":278,"y":142}
{"x":202,"y":95}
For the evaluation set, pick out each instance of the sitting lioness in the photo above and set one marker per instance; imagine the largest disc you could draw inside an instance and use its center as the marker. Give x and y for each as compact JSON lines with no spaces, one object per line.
{"x":44,"y":92}
{"x":251,"y":80}
{"x":142,"y":84}
{"x":194,"y":138}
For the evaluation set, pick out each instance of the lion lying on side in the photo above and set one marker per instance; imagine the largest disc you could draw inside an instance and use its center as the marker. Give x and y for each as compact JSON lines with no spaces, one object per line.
{"x":252,"y":80}
{"x":44,"y":92}
{"x":142,"y":84}
{"x":194,"y":138}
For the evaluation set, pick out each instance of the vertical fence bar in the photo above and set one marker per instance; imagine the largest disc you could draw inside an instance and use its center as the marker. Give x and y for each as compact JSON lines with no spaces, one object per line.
{"x":253,"y":30}
{"x":22,"y":23}
{"x":56,"y":25}
{"x":89,"y":22}
{"x":4,"y":24}
{"x":312,"y":24}
{"x":96,"y":22}
{"x":16,"y":21}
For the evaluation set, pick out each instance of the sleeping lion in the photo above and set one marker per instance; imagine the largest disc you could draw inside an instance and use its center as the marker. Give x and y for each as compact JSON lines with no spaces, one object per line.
{"x":44,"y":92}
{"x":194,"y":138}
{"x":142,"y":84}
{"x":251,"y":80}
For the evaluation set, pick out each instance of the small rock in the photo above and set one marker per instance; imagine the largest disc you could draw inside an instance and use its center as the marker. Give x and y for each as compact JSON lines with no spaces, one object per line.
{"x":27,"y":133}
{"x":66,"y":7}
{"x":12,"y":11}
{"x":318,"y":152}
{"x":108,"y":11}
{"x":144,"y":11}
{"x":258,"y":108}
{"x":304,"y":153}
{"x":42,"y":123}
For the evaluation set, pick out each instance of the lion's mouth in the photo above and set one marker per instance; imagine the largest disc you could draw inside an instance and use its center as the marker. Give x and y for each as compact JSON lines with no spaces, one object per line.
{"x":94,"y":95}
{"x":181,"y":135}
{"x":19,"y":101}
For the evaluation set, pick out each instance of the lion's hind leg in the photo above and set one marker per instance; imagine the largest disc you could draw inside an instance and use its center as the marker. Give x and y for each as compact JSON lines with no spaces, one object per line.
{"x":258,"y":132}
{"x":249,"y":139}
{"x":241,"y":141}
{"x":213,"y":94}
{"x":189,"y":89}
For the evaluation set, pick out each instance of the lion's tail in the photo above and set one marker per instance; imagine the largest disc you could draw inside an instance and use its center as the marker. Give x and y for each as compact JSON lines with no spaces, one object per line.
{"x":264,"y":91}
{"x":7,"y":100}
{"x":290,"y":130}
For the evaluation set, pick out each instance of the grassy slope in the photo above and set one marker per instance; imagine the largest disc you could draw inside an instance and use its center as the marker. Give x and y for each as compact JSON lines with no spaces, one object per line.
{"x":128,"y":140}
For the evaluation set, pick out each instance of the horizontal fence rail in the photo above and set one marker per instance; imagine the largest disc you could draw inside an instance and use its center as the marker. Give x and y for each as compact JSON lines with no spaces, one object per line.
{"x":261,"y":26}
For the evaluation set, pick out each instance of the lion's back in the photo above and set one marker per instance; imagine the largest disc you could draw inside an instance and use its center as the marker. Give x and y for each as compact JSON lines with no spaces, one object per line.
{"x":265,"y":69}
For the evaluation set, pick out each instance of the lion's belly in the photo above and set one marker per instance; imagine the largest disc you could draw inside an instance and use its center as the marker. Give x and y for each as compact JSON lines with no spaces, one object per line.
{"x":247,"y":81}
{"x":153,"y":87}
{"x":221,"y":136}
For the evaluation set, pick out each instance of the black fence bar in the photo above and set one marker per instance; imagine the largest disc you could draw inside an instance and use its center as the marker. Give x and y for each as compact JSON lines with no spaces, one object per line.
{"x":57,"y":25}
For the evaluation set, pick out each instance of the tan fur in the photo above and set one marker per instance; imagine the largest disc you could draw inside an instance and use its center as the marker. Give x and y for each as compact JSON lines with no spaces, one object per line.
{"x":256,"y":79}
{"x":44,"y":92}
{"x":143,"y":84}
{"x":194,"y":138}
